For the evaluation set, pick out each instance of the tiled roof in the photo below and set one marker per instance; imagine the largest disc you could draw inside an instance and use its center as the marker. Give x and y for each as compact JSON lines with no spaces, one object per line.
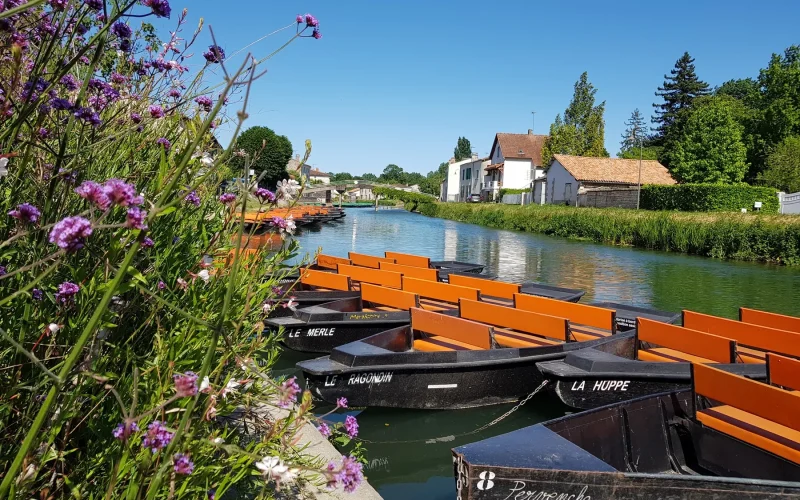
{"x":614,"y":170}
{"x":522,"y":146}
{"x":495,"y":166}
{"x":317,"y":173}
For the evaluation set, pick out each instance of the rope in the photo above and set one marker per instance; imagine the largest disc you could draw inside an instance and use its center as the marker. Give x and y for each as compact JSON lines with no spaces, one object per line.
{"x":453,"y":437}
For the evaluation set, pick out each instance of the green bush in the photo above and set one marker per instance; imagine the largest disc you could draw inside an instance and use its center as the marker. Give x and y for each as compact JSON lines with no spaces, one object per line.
{"x":709,"y":198}
{"x":754,"y":237}
{"x":505,"y":191}
{"x":410,"y":200}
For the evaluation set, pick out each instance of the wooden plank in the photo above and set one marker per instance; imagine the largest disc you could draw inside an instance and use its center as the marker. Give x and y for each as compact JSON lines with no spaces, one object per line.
{"x":374,"y":276}
{"x":576,"y":313}
{"x":407,"y":259}
{"x":411,"y":271}
{"x":451,"y":327}
{"x":770,"y":320}
{"x":516,"y":319}
{"x":322,"y":279}
{"x":487,"y":287}
{"x":760,"y":337}
{"x":704,"y":345}
{"x":440,"y":291}
{"x":783,"y":371}
{"x":389,"y":297}
{"x":371,"y":261}
{"x":330,"y":262}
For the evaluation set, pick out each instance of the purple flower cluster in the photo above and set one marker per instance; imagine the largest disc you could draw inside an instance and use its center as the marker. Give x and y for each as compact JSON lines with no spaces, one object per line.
{"x":26,"y":213}
{"x":70,"y":233}
{"x":183,"y":465}
{"x":66,"y":293}
{"x":349,"y":475}
{"x":311,"y":21}
{"x":157,"y":437}
{"x":121,"y":29}
{"x":205,"y":102}
{"x":193,"y":199}
{"x":121,"y":193}
{"x":60,"y":104}
{"x":94,"y":193}
{"x":288,"y":392}
{"x":341,"y":403}
{"x":214,"y":54}
{"x":316,"y":34}
{"x":94,"y":4}
{"x":278,"y":222}
{"x":174,"y":93}
{"x":69,"y":82}
{"x":135,"y":218}
{"x":136,"y":118}
{"x":164,"y":142}
{"x":324,"y":429}
{"x":37,"y":294}
{"x":156,"y":111}
{"x":148,"y":243}
{"x":118,"y":78}
{"x":88,"y":115}
{"x":351,"y":426}
{"x":58,"y":4}
{"x":185,"y":383}
{"x":160,"y":8}
{"x":124,"y":430}
{"x":2,"y":270}
{"x":227,"y":198}
{"x":265,"y":195}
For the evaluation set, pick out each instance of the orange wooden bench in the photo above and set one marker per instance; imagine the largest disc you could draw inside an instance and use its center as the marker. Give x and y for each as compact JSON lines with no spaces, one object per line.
{"x":783,"y":371}
{"x":489,"y":288}
{"x":411,"y":271}
{"x":325,"y":281}
{"x":436,"y":296}
{"x":387,"y":299}
{"x":585,"y":322}
{"x":761,"y":415}
{"x":360,"y":259}
{"x":518,"y":328}
{"x":374,"y":276}
{"x":754,"y":341}
{"x":440,"y":332}
{"x":331,"y":262}
{"x":770,"y":320}
{"x":406,"y":259}
{"x":681,"y":344}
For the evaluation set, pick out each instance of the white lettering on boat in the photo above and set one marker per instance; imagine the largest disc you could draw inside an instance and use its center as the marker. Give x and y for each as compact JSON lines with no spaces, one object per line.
{"x":442,"y":386}
{"x":602,"y":385}
{"x":370,"y":378}
{"x":320,"y":332}
{"x":330,"y":380}
{"x":518,"y":492}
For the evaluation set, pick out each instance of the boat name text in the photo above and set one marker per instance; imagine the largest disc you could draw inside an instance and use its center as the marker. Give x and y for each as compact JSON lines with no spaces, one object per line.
{"x":602,"y":385}
{"x":367,"y":316}
{"x":518,"y":492}
{"x":370,"y":378}
{"x":313,"y":332}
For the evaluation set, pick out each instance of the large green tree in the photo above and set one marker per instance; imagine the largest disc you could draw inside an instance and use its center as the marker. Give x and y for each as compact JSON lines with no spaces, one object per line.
{"x":269,"y":152}
{"x":582,"y":130}
{"x":680,"y":89}
{"x":392,"y":174}
{"x":780,"y":85}
{"x":370,"y":177}
{"x":636,"y":132}
{"x":463,"y":149}
{"x":709,"y":147}
{"x":783,"y":166}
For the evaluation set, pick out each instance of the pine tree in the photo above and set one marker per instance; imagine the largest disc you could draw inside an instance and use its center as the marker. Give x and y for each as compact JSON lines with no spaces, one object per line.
{"x":463,"y":149}
{"x":582,"y":131}
{"x":635,"y":131}
{"x":678,"y":92}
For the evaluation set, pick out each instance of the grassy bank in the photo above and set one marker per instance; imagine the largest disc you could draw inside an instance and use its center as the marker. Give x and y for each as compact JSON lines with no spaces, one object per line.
{"x":753,"y":237}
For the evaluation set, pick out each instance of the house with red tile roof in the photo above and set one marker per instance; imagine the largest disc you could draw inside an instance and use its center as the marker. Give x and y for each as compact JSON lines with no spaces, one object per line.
{"x":515,"y":162}
{"x":319,"y":176}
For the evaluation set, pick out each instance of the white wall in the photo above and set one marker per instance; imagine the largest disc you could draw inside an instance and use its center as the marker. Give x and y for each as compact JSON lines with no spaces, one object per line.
{"x":324,"y":180}
{"x":557,"y":180}
{"x":517,"y":173}
{"x":453,"y":184}
{"x":498,"y":156}
{"x":477,"y":169}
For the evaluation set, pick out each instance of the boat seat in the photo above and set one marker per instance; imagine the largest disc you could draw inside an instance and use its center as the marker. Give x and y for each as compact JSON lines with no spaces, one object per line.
{"x":756,"y":336}
{"x":380,"y":309}
{"x":510,"y":338}
{"x":583,"y":333}
{"x":760,"y":432}
{"x":771,"y":320}
{"x":748,"y":355}
{"x":497,"y":301}
{"x":590,"y":322}
{"x":663,"y":354}
{"x":435,"y":305}
{"x":437,"y":343}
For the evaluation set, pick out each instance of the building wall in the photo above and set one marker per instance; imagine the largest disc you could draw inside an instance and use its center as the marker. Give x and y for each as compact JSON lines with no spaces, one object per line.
{"x":453,"y":184}
{"x":473,"y":185}
{"x":324,"y":180}
{"x":517,"y":174}
{"x":561,"y":187}
{"x":620,"y":197}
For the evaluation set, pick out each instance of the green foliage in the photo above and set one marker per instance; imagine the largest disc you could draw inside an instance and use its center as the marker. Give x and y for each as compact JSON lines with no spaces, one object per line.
{"x":708,"y":198}
{"x":783,"y":166}
{"x":340,"y":177}
{"x":392,"y":173}
{"x":755,"y":237}
{"x":411,"y":200}
{"x":463,"y":149}
{"x":680,"y":89}
{"x":647,"y":153}
{"x":636,"y":131}
{"x":582,"y":131}
{"x":505,"y":191}
{"x":369,"y":177}
{"x":709,"y":147}
{"x":745,"y":90}
{"x":780,"y":84}
{"x":269,"y":154}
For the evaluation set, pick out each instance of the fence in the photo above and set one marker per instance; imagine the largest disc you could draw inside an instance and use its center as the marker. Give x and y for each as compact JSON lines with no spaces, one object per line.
{"x":517,"y":199}
{"x":606,"y":198}
{"x":790,"y":202}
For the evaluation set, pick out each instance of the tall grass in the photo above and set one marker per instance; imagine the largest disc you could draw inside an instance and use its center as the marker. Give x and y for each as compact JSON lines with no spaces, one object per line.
{"x":753,"y":237}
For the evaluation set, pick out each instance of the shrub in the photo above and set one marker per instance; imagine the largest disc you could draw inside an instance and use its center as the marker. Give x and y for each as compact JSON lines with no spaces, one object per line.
{"x":709,"y":198}
{"x":410,"y":200}
{"x":269,"y":152}
{"x":505,"y":191}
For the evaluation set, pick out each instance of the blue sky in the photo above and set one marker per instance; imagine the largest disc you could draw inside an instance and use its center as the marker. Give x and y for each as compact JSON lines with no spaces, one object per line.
{"x":400,"y":81}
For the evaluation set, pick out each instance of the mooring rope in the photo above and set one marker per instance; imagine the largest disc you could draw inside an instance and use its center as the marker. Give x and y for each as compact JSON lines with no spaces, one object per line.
{"x":453,"y":437}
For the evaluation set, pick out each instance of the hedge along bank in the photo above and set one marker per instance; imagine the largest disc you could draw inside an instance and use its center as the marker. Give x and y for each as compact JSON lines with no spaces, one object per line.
{"x":753,"y":237}
{"x":709,"y":198}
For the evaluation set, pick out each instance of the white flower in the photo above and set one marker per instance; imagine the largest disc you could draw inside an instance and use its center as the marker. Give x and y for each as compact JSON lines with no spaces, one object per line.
{"x":273,"y":468}
{"x":292,"y":304}
{"x":218,"y":440}
{"x":207,"y":260}
{"x":205,"y":384}
{"x":290,"y":225}
{"x":182,"y":284}
{"x":3,"y":165}
{"x":229,"y":388}
{"x":206,"y":160}
{"x":203,"y":275}
{"x":287,"y":189}
{"x":53,"y":328}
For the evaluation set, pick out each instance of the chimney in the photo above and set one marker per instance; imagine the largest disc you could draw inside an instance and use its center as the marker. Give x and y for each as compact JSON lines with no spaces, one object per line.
{"x":474,"y":156}
{"x":530,"y":131}
{"x":297,"y":157}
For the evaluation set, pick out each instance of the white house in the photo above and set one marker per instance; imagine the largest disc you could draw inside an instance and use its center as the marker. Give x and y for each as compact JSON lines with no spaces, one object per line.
{"x":471,"y":177}
{"x":451,"y":186}
{"x":569,"y":174}
{"x":515,"y":162}
{"x":315,"y":175}
{"x":295,"y":168}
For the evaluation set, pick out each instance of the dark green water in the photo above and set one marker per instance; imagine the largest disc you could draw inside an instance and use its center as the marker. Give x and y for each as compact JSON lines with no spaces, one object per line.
{"x":402,"y":464}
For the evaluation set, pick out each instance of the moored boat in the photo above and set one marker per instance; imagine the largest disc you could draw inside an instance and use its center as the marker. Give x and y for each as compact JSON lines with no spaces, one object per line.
{"x":658,"y":357}
{"x":726,"y":437}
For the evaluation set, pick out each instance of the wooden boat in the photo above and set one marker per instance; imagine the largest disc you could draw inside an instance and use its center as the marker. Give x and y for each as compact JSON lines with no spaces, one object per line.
{"x":726,"y":437}
{"x":657,"y":358}
{"x":355,"y":318}
{"x":313,"y":288}
{"x":443,"y":265}
{"x":486,"y":355}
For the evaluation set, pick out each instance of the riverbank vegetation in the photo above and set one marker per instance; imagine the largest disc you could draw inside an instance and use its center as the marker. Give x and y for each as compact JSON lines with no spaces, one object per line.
{"x":133,"y":358}
{"x":752,"y":237}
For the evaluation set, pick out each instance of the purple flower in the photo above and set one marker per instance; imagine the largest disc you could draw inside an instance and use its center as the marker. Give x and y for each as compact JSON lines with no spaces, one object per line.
{"x":94,"y":4}
{"x":299,"y":18}
{"x":147,"y":243}
{"x":227,"y":198}
{"x":185,"y":383}
{"x":26,"y":213}
{"x":265,"y":195}
{"x":324,"y":429}
{"x":164,"y":142}
{"x":156,"y":111}
{"x":341,"y":403}
{"x":123,"y":431}
{"x":88,"y":115}
{"x":121,"y":29}
{"x":160,"y":8}
{"x":215,"y":54}
{"x":84,"y":60}
{"x":193,"y":198}
{"x":94,"y":193}
{"x":70,"y":233}
{"x":36,"y":294}
{"x":118,"y":78}
{"x":162,"y":285}
{"x":316,"y":34}
{"x":69,"y":82}
{"x":121,"y":193}
{"x":157,"y":437}
{"x":66,"y":293}
{"x":288,"y":392}
{"x":183,"y":465}
{"x":311,"y":21}
{"x":125,"y":45}
{"x":349,"y":475}
{"x":279,"y":222}
{"x":212,"y":494}
{"x":175,"y":93}
{"x":58,"y":4}
{"x":205,"y":102}
{"x":2,"y":270}
{"x":60,"y":104}
{"x":351,"y":426}
{"x":135,"y":219}
{"x":44,"y":133}
{"x":136,"y":117}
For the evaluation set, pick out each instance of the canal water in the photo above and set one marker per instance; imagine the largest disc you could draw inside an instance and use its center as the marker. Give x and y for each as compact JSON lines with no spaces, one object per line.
{"x":409,"y":451}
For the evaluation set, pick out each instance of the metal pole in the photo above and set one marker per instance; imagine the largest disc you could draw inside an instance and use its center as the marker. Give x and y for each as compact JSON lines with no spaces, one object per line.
{"x":639,"y":190}
{"x":533,"y":125}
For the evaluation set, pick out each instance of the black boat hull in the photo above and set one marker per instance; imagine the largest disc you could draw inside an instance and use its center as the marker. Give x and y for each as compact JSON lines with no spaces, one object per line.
{"x":302,"y":299}
{"x":324,"y":338}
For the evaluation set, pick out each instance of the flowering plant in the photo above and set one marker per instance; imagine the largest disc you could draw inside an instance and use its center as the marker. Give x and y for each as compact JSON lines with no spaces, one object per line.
{"x":131,"y":342}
